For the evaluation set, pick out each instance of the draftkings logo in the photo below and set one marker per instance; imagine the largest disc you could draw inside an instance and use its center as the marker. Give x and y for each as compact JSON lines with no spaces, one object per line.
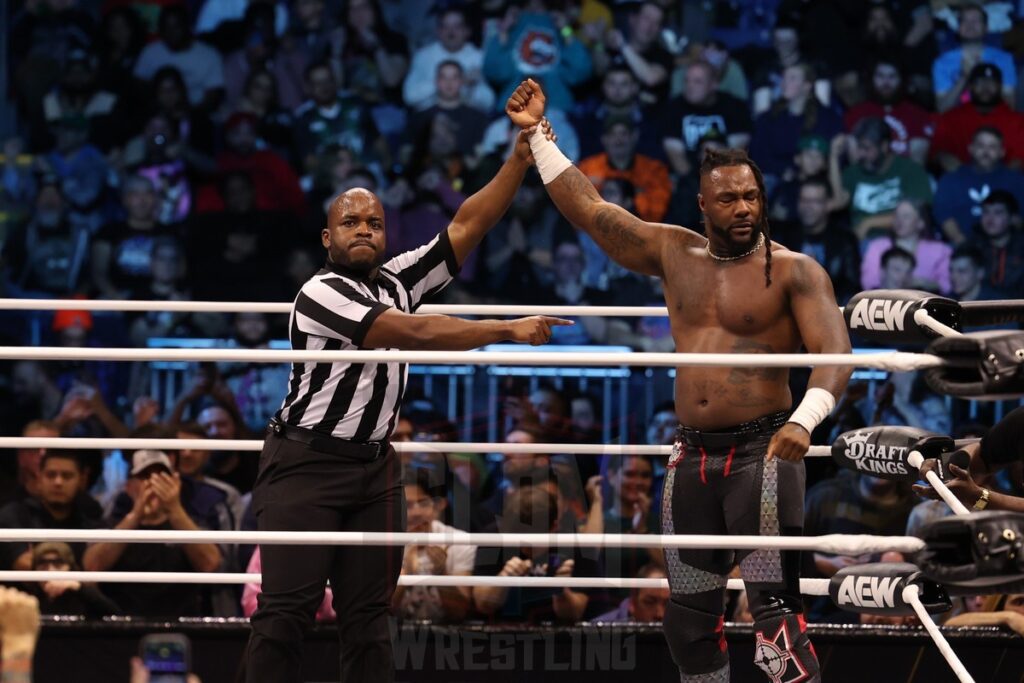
{"x":874,"y":458}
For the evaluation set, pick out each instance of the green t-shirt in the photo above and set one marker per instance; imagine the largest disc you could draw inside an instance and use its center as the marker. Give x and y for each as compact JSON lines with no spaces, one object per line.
{"x":875,"y":193}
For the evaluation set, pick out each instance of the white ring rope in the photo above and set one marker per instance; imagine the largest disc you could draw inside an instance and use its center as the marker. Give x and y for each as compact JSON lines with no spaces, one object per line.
{"x":898,"y":361}
{"x":48,"y":442}
{"x":285,"y":307}
{"x":912,"y":595}
{"x":838,"y":544}
{"x":807,"y":586}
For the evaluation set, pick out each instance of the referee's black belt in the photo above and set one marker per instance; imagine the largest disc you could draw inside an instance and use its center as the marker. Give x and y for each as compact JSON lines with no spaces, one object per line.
{"x":367,"y":450}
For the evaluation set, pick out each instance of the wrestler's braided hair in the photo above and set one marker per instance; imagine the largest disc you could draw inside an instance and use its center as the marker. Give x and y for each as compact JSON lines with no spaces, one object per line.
{"x":717,"y":158}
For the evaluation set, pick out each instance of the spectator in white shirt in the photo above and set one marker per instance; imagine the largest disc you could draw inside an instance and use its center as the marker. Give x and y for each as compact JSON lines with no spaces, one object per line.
{"x":200,"y":65}
{"x":420,"y":91}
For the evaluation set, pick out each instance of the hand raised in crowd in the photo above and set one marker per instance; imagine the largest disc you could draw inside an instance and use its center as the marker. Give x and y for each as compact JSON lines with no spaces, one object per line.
{"x":167,"y":490}
{"x":593,"y":490}
{"x":437,"y":557}
{"x":526,"y":104}
{"x":641,"y":513}
{"x":536,"y":329}
{"x":516,"y":566}
{"x":790,"y":443}
{"x":144,"y":410}
{"x":55,"y":589}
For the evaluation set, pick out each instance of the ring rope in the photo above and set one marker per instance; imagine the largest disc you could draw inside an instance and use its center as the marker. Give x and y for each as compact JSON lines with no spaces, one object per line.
{"x":807,"y":586}
{"x":912,"y":595}
{"x":898,"y":361}
{"x":445,"y":447}
{"x":839,"y":544}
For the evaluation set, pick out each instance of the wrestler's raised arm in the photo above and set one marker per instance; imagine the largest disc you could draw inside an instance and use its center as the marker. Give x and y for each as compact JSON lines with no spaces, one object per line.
{"x":629,"y":241}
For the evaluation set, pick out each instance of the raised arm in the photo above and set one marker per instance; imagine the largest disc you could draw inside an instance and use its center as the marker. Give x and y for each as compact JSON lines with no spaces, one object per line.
{"x":629,"y":241}
{"x":482,"y":210}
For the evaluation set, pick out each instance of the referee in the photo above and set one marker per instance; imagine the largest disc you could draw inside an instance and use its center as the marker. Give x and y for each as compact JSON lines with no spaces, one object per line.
{"x":326,"y":463}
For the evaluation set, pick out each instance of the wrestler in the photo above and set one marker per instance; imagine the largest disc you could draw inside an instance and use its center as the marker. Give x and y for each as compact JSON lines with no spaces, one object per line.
{"x":737,"y":464}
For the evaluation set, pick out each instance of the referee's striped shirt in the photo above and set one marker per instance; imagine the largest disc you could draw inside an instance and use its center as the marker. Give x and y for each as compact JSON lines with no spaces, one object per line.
{"x":333,"y":312}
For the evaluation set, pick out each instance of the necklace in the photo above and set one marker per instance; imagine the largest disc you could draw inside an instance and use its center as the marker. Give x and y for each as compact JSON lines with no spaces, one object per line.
{"x":760,"y":243}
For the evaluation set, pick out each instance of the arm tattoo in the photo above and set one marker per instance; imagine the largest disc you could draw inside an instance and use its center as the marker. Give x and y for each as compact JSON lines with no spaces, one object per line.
{"x":616,"y":232}
{"x":577,"y":184}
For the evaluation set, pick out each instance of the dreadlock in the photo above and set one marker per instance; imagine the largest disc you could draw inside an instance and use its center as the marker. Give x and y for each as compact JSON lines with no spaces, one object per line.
{"x":714,"y":158}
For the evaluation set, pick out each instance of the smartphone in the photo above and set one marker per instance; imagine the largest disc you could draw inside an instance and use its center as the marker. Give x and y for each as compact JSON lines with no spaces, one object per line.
{"x":168,"y":656}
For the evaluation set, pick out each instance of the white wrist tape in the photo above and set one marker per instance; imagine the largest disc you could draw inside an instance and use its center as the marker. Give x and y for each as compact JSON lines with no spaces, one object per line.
{"x":549,"y":159}
{"x":815,"y":407}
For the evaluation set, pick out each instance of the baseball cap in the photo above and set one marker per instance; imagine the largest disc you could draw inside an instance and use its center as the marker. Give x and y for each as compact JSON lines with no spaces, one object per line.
{"x":619,"y":119}
{"x":62,"y":320}
{"x":1004,"y":197}
{"x":813,"y":142}
{"x":985,"y":70}
{"x":144,"y":459}
{"x":61,"y":551}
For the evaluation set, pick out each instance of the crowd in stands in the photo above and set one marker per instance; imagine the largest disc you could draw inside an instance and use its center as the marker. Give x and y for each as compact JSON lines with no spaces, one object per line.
{"x":176,"y":150}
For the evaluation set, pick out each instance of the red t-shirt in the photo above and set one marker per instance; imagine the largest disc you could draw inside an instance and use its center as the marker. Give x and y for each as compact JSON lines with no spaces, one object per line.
{"x":906,"y":120}
{"x":956,"y":127}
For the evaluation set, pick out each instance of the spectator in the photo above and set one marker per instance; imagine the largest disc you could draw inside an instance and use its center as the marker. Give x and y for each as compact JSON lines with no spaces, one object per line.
{"x":274,"y":182}
{"x":825,"y":239}
{"x":729,"y":74}
{"x":80,"y":169}
{"x":156,"y":494}
{"x":467,"y":120}
{"x":662,"y":425}
{"x":221,"y":421}
{"x":192,"y":464}
{"x":49,"y":252}
{"x":531,"y":42}
{"x":909,"y":227}
{"x":519,"y":469}
{"x":200,"y":65}
{"x":951,"y":70}
{"x":585,"y":417}
{"x":157,"y":154}
{"x":569,"y":289}
{"x":960,"y":193}
{"x":123,"y":251}
{"x":166,"y":283}
{"x":195,"y":132}
{"x":851,"y":503}
{"x":631,"y":510}
{"x":314,"y":32}
{"x":78,"y":94}
{"x":257,"y":388}
{"x":261,"y":51}
{"x":649,"y":177}
{"x":641,"y":49}
{"x":769,"y":76}
{"x":644,"y":605}
{"x":812,"y":162}
{"x":327,"y":118}
{"x":700,"y":108}
{"x":66,"y":597}
{"x":911,"y":127}
{"x":261,"y":98}
{"x":797,"y":112}
{"x":250,"y":594}
{"x":997,"y":610}
{"x":531,"y":509}
{"x":618,"y":97}
{"x":120,"y":40}
{"x":59,"y":504}
{"x":34,"y":394}
{"x":906,"y":400}
{"x":425,"y":503}
{"x":29,"y":459}
{"x":373,"y":58}
{"x":954,"y":129}
{"x":908,"y":36}
{"x":877,"y":181}
{"x":967,"y":275}
{"x":420,"y":89}
{"x":897,"y":268}
{"x":1003,"y":242}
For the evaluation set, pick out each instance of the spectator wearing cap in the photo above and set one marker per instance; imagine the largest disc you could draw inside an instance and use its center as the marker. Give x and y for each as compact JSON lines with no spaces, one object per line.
{"x":811,"y":162}
{"x":959,"y":193}
{"x":57,"y":504}
{"x":1001,"y":240}
{"x":620,"y":160}
{"x":200,"y":65}
{"x":66,"y":597}
{"x":534,"y":41}
{"x":952,"y":70}
{"x":420,"y":90}
{"x":876,"y":181}
{"x":121,"y":263}
{"x":955,"y":128}
{"x":967,"y":275}
{"x":910,"y":232}
{"x":77,"y":93}
{"x":911,"y":125}
{"x":618,"y":97}
{"x":701,"y":108}
{"x":156,"y":494}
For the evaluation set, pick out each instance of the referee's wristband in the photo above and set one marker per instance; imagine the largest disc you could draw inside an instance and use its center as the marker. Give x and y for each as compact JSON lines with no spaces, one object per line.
{"x":815,"y":407}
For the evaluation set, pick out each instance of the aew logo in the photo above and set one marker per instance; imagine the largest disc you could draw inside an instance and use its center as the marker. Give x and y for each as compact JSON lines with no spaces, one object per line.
{"x":880,"y":314}
{"x":875,"y":458}
{"x":868,"y":591}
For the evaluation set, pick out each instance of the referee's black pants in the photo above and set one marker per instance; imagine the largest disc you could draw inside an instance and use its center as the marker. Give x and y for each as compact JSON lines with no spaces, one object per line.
{"x":301,"y":489}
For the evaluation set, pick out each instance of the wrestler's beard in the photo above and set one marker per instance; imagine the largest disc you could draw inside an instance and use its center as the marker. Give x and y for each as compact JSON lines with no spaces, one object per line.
{"x":724,"y":236}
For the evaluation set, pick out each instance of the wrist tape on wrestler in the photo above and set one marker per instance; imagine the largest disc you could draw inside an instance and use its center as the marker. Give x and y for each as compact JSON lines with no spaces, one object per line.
{"x":549,"y":159}
{"x":815,"y":407}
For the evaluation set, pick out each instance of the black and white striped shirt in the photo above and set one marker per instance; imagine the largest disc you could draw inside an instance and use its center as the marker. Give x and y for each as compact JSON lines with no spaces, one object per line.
{"x":333,"y":312}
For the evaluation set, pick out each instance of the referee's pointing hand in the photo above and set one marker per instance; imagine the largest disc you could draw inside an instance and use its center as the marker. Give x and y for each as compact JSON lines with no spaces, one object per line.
{"x":536,"y":329}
